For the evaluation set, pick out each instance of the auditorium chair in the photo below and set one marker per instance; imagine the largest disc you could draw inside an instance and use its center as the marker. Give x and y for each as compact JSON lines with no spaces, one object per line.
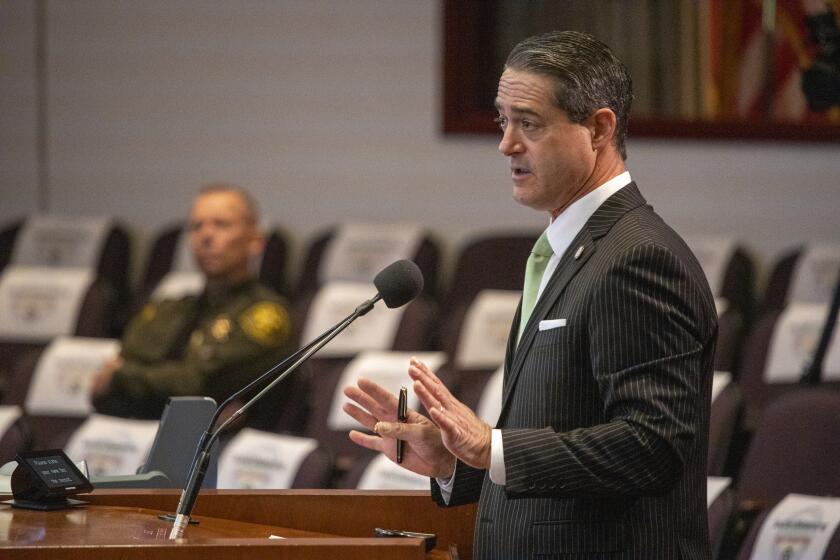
{"x":781,"y":294}
{"x":731,"y":274}
{"x":832,"y":552}
{"x":314,"y":470}
{"x":113,"y":264}
{"x":724,"y":425}
{"x":489,"y":262}
{"x":426,"y":256}
{"x":794,"y":449}
{"x":165,"y":250}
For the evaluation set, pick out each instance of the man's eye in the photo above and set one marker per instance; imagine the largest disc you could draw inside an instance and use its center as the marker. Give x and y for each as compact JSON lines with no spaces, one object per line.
{"x":527,"y":125}
{"x":501,"y":121}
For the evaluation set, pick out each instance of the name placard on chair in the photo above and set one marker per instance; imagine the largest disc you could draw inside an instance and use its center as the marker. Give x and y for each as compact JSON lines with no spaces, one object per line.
{"x":720,"y":381}
{"x":794,"y":340}
{"x":178,"y":284}
{"x":112,"y":446}
{"x":336,"y":300}
{"x":261,"y":460}
{"x":490,"y":404}
{"x":799,"y":527}
{"x":715,"y":485}
{"x":62,"y":380}
{"x":816,"y":274}
{"x":714,"y":255}
{"x":486,"y":327}
{"x":388,"y":369}
{"x":383,"y":474}
{"x":37,"y":304}
{"x":55,"y":241}
{"x":9,"y":414}
{"x":358,"y":251}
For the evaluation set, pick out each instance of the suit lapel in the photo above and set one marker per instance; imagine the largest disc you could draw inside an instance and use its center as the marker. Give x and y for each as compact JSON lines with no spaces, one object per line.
{"x":570,"y":264}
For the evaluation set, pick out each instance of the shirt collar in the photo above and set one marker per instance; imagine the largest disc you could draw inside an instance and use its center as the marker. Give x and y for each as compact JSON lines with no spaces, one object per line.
{"x":566,"y":226}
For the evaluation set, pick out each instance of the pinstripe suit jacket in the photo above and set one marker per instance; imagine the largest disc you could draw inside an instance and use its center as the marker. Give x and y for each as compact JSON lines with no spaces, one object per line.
{"x":605,"y":421}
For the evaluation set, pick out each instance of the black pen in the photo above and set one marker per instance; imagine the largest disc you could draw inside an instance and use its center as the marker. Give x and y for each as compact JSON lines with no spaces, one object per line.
{"x":402,"y":416}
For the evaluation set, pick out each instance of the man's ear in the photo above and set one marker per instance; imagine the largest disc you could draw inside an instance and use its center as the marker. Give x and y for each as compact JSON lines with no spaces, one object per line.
{"x":257,"y":242}
{"x":601,"y":126}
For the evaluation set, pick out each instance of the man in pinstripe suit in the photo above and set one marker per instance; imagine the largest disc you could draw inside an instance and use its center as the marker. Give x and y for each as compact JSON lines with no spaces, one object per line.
{"x":600,"y":448}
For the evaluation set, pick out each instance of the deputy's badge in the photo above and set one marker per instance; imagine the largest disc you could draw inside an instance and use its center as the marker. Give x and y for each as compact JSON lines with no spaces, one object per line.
{"x":220,"y":329}
{"x":196,"y":338}
{"x":148,"y":313}
{"x":266,"y":322}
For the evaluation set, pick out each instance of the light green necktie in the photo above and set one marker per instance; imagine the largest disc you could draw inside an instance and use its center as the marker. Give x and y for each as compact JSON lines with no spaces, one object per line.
{"x":534,"y":269}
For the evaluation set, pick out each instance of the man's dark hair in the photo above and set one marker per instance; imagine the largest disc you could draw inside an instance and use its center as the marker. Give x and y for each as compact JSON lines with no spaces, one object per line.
{"x":588,"y":75}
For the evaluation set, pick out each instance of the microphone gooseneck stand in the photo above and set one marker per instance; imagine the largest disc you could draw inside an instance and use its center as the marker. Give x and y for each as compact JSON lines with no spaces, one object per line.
{"x":202,"y":458}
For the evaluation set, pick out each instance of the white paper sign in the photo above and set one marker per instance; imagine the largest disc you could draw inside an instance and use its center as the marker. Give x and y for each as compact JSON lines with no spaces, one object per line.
{"x":63,"y":376}
{"x":799,"y":528}
{"x":831,"y":366}
{"x":112,"y":446}
{"x":54,"y":241}
{"x":490,"y":404}
{"x":359,"y":251}
{"x":8,"y":416}
{"x":816,"y":274}
{"x":720,"y":381}
{"x":484,"y":335}
{"x":384,"y":474}
{"x":334,"y":302}
{"x":715,"y":485}
{"x":262,"y":460}
{"x":388,"y":369}
{"x":182,"y":258}
{"x":37,"y":304}
{"x":794,"y":341}
{"x":178,"y":284}
{"x":714,"y":255}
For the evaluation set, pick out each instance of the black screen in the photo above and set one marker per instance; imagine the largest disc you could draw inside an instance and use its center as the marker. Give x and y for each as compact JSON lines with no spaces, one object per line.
{"x":54,"y":471}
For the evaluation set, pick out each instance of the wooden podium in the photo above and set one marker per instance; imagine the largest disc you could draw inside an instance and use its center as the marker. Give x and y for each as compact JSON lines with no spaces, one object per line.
{"x":315,"y":524}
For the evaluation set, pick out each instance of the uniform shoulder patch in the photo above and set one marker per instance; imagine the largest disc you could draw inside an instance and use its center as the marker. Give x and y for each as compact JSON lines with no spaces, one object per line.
{"x":266,"y":322}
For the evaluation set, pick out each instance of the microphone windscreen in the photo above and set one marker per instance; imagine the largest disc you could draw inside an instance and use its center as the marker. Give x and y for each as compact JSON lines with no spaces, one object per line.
{"x":398,"y":283}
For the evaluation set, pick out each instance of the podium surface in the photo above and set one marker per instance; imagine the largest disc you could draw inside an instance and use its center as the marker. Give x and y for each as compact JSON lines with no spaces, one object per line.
{"x":314,"y":524}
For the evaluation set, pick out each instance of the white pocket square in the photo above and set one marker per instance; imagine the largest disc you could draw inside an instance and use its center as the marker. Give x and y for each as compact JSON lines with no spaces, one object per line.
{"x":549,"y":324}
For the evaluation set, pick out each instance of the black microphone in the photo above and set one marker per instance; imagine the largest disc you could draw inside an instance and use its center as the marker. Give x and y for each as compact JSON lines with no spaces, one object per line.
{"x":396,"y":284}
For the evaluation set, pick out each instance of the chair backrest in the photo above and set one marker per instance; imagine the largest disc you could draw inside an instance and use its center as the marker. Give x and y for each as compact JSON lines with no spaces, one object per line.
{"x":76,"y":242}
{"x":426,"y":254}
{"x":725,"y":417}
{"x":794,"y":448}
{"x":721,"y":504}
{"x":492,"y":262}
{"x":14,"y":433}
{"x":801,"y":527}
{"x":112,"y":446}
{"x":264,"y":460}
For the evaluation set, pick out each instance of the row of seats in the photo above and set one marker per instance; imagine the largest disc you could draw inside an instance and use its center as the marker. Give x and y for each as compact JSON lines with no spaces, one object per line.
{"x":763,"y":347}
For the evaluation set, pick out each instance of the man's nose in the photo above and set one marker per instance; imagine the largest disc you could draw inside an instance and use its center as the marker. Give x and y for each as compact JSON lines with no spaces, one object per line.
{"x":510,"y":143}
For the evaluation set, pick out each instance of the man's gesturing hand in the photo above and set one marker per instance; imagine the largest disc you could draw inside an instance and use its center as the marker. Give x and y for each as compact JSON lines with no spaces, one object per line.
{"x":424,"y":452}
{"x":463,"y":433}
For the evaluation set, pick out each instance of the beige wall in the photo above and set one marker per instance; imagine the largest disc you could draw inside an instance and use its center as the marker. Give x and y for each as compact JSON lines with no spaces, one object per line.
{"x":327,"y":111}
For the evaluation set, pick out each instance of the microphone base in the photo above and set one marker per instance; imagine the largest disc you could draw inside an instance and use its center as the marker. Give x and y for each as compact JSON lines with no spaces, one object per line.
{"x":171,"y":518}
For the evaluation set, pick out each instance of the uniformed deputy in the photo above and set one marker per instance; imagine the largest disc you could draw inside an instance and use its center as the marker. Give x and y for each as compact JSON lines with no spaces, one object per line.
{"x":211,"y":344}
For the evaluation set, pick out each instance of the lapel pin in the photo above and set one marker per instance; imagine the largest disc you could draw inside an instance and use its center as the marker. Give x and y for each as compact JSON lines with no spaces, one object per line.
{"x":579,"y":252}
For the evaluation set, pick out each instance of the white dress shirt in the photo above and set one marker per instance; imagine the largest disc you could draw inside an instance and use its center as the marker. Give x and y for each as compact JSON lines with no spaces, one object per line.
{"x":561,"y":232}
